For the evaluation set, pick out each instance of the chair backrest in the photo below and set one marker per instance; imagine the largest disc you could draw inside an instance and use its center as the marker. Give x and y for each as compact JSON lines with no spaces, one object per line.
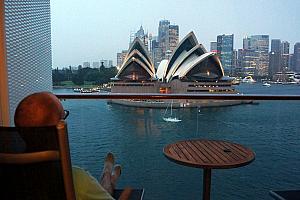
{"x":35,"y":163}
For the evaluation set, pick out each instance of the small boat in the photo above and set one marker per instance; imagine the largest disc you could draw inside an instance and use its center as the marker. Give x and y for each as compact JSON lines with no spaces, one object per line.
{"x":296,"y":78}
{"x":267,"y":84}
{"x":248,"y":79}
{"x":89,"y":90}
{"x":170,"y":118}
{"x":86,"y":91}
{"x":77,"y":89}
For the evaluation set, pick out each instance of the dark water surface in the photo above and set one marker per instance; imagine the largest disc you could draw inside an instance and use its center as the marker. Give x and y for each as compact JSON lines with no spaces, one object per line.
{"x":137,"y":136}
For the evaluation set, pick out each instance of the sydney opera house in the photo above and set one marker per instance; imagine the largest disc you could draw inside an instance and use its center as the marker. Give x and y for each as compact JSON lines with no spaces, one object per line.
{"x":190,"y":70}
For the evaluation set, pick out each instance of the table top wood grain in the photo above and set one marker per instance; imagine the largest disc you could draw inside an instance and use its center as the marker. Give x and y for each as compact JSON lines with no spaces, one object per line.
{"x":209,"y":154}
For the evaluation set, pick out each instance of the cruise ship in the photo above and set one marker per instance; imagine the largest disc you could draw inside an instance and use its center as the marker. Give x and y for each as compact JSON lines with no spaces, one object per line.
{"x":191,"y":69}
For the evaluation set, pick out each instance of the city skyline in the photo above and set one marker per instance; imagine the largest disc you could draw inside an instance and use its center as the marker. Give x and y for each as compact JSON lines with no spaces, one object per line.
{"x":92,"y":31}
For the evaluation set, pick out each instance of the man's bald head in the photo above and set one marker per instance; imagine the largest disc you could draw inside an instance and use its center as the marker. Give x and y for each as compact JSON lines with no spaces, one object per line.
{"x":39,"y":109}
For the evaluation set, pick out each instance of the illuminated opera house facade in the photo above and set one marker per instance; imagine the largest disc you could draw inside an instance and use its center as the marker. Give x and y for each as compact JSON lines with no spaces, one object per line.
{"x":190,"y":70}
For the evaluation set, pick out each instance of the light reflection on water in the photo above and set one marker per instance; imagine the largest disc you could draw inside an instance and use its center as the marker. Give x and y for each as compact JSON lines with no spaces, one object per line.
{"x":137,"y":136}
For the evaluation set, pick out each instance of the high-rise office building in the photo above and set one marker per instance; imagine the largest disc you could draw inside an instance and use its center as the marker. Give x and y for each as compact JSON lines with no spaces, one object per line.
{"x":246,"y":42}
{"x":142,"y":36}
{"x":235,"y":66}
{"x":274,"y":63}
{"x":25,"y":50}
{"x":225,"y":52}
{"x":296,"y":57}
{"x":257,"y":53}
{"x":247,"y":60}
{"x":168,"y":38}
{"x":213,"y":47}
{"x":163,"y":30}
{"x":276,"y":45}
{"x":173,"y":38}
{"x":156,"y":52}
{"x":275,"y":57}
{"x":285,"y":55}
{"x":285,"y":47}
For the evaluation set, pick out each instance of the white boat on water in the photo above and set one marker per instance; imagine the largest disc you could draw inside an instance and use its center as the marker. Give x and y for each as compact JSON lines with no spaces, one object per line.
{"x":170,"y":118}
{"x":248,"y":79}
{"x":296,"y":78}
{"x":266,"y":84}
{"x":77,"y":89}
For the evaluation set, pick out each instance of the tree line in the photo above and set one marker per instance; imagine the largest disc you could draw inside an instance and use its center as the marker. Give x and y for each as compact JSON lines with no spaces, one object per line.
{"x":95,"y":76}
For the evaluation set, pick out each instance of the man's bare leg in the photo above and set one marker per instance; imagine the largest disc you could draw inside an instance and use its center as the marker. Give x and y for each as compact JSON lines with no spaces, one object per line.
{"x":114,"y":178}
{"x":106,"y":177}
{"x":115,"y":175}
{"x":109,"y":178}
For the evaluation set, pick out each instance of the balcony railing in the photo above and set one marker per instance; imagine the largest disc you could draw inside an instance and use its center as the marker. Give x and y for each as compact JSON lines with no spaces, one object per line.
{"x":179,"y":96}
{"x":137,"y":136}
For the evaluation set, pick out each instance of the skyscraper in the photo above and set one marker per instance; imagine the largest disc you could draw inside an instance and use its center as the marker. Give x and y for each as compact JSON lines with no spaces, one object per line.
{"x":296,"y":57}
{"x":173,"y":37}
{"x":275,"y":57}
{"x":247,"y":61}
{"x":285,"y":55}
{"x":225,"y":52}
{"x":235,"y":66}
{"x":168,"y":37}
{"x":257,"y":52}
{"x":163,"y":30}
{"x":246,"y":43}
{"x":276,"y":45}
{"x":285,"y":47}
{"x":143,"y":36}
{"x":274,"y":63}
{"x":156,"y":52}
{"x":25,"y":50}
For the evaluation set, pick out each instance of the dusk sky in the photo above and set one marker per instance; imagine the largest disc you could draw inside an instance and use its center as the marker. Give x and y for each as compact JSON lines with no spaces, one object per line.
{"x":92,"y":30}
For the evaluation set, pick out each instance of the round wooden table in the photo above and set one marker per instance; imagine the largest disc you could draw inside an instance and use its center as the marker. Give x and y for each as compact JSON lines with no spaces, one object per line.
{"x":208,"y":154}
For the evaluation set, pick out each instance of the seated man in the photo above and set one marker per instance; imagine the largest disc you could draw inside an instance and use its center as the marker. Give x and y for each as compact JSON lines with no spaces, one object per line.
{"x":45,"y":109}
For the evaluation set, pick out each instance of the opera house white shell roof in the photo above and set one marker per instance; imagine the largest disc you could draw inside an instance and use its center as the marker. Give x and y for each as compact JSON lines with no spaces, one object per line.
{"x":137,"y":64}
{"x":189,"y":61}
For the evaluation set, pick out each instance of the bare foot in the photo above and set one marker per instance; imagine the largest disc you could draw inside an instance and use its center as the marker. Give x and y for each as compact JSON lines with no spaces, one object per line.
{"x":106,"y":176}
{"x":115,"y":175}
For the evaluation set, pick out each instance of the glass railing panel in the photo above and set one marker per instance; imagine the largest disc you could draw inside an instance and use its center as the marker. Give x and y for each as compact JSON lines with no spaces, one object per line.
{"x":137,"y":136}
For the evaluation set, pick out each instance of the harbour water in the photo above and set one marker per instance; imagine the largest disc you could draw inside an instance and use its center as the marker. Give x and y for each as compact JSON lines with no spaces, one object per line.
{"x":137,"y":136}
